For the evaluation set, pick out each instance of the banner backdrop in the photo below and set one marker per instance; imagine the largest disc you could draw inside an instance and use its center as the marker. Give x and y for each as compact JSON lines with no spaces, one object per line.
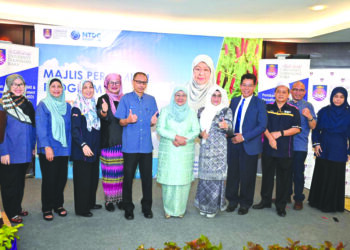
{"x":322,"y":82}
{"x":74,"y":54}
{"x":273,"y":72}
{"x":23,"y":60}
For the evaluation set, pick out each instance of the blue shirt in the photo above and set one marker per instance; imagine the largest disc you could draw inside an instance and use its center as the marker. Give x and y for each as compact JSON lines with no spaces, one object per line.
{"x":19,"y":141}
{"x":44,"y":135}
{"x":137,"y":136}
{"x":301,"y":139}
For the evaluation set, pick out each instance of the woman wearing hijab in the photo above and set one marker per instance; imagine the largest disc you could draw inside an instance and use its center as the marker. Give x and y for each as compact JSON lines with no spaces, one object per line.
{"x":215,"y":120}
{"x":53,"y":126}
{"x":203,"y":78}
{"x":178,"y":127}
{"x":17,"y":148}
{"x":85,"y":149}
{"x":111,"y":142}
{"x":330,"y":140}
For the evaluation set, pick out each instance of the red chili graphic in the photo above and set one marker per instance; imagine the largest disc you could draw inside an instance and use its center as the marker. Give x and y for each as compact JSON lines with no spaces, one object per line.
{"x":218,"y":78}
{"x":238,"y":53}
{"x":242,"y":46}
{"x":246,"y":46}
{"x":232,"y":85}
{"x":257,"y":49}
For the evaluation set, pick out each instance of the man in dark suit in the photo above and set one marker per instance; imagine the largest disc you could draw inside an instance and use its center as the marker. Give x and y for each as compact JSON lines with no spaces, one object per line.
{"x":250,"y":120}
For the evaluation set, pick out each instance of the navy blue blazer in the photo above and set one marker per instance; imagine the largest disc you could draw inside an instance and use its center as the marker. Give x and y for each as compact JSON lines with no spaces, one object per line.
{"x":254,"y":124}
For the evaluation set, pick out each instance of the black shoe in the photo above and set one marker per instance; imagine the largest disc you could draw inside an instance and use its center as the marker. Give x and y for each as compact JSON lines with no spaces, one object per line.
{"x":231,"y":208}
{"x":88,"y":214}
{"x":281,"y":212}
{"x":129,"y":215}
{"x":261,"y":205}
{"x":96,"y":206}
{"x":109,"y":206}
{"x":148,"y":214}
{"x":242,"y":211}
{"x":119,"y":205}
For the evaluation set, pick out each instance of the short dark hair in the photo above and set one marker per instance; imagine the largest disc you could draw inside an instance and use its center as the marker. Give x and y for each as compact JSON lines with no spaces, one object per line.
{"x":249,"y":76}
{"x":140,"y":73}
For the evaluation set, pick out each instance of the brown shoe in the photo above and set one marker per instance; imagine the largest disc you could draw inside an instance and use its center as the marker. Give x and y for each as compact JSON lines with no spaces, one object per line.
{"x":298,"y":205}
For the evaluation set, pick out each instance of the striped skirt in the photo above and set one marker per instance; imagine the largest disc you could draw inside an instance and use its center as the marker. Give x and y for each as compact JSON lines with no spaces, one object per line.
{"x":112,"y":173}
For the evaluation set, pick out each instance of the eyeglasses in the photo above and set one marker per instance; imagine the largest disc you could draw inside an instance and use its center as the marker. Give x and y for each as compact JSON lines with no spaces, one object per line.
{"x":180,"y":95}
{"x":218,"y":96}
{"x":114,"y":83}
{"x":21,"y":85}
{"x":298,"y":90}
{"x":141,"y":82}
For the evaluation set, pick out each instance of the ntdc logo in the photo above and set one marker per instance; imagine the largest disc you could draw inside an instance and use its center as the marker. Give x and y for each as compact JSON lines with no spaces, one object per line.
{"x":75,"y":35}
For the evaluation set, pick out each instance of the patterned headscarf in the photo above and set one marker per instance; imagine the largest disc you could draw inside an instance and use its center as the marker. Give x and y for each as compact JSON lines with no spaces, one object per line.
{"x":198,"y":92}
{"x":18,"y":107}
{"x":113,"y":97}
{"x":58,"y":108}
{"x":210,"y":110}
{"x":87,"y":107}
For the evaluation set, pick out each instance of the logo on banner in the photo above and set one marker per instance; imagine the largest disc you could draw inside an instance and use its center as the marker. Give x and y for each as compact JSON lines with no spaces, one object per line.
{"x":75,"y":35}
{"x":47,"y":33}
{"x":2,"y":56}
{"x":271,"y":70}
{"x":319,"y":92}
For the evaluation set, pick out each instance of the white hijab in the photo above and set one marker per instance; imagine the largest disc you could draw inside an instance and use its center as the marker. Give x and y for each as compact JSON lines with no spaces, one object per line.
{"x":210,"y":110}
{"x":197,"y":92}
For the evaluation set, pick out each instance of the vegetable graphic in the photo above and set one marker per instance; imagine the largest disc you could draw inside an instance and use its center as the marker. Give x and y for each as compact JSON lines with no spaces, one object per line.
{"x":243,"y":57}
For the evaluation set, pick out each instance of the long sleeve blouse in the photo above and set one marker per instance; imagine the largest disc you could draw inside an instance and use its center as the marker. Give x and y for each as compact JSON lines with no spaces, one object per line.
{"x":334,"y":142}
{"x":44,"y":134}
{"x":175,"y":163}
{"x":19,"y":140}
{"x":81,"y":136}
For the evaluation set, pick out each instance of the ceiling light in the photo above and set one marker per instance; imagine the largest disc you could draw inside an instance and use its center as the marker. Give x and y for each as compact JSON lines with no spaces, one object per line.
{"x":318,"y":7}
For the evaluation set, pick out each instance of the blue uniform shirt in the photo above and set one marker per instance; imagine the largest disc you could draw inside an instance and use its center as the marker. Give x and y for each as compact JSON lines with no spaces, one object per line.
{"x":301,"y":139}
{"x":137,"y":136}
{"x":281,"y":119}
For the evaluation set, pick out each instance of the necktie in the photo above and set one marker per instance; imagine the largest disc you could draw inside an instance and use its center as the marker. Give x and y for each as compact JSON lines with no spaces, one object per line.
{"x":239,"y":115}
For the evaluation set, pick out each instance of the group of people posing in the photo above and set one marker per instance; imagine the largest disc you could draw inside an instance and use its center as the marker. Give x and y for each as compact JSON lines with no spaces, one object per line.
{"x":116,"y":132}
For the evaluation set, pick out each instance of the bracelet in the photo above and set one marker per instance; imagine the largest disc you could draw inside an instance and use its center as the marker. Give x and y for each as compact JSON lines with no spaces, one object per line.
{"x":282,"y":133}
{"x":83,"y":144}
{"x":311,"y":119}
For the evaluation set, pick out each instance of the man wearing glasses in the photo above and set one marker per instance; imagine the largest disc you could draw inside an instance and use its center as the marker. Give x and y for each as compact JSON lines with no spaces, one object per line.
{"x":250,"y":120}
{"x":137,"y":112}
{"x":300,"y":146}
